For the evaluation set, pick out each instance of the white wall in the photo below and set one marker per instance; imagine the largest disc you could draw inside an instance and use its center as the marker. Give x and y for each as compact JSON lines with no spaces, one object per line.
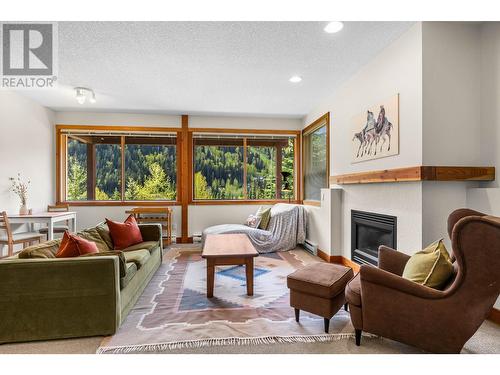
{"x":271,"y":123}
{"x":88,"y":216}
{"x":397,"y":69}
{"x":123,"y":119}
{"x":199,"y":217}
{"x":451,"y":93}
{"x":487,"y":198}
{"x":324,"y":223}
{"x":451,"y":116}
{"x":27,"y":147}
{"x":490,"y":96}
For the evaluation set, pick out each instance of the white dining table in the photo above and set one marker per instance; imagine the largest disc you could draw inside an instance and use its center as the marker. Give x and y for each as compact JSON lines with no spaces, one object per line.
{"x":48,"y":218}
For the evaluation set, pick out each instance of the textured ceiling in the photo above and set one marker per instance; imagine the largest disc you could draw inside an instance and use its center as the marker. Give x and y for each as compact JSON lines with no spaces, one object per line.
{"x":210,"y":67}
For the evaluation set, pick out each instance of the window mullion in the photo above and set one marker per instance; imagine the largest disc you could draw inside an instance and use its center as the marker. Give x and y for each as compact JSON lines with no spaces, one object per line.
{"x":245,"y":188}
{"x":122,"y":182}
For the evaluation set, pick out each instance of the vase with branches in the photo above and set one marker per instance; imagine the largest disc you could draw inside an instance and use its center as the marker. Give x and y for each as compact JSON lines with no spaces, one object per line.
{"x":20,"y":188}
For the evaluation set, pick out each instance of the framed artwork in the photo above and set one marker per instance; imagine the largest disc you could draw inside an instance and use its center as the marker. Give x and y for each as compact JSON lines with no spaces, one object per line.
{"x":375,"y":132}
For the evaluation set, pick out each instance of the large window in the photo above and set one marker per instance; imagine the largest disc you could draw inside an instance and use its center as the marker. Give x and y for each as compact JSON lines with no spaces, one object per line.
{"x":105,"y":166}
{"x":316,"y":155}
{"x":243,"y":167}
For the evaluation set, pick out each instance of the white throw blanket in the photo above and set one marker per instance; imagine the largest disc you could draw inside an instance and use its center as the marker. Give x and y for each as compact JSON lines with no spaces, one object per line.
{"x":286,"y":229}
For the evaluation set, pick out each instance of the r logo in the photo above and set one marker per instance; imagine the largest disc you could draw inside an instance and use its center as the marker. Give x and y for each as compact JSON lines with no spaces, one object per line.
{"x":27,"y":49}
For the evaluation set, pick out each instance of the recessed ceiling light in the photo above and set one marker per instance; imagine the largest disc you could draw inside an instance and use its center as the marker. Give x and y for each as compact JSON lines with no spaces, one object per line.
{"x":84,"y":93}
{"x":334,"y":27}
{"x":295,"y":79}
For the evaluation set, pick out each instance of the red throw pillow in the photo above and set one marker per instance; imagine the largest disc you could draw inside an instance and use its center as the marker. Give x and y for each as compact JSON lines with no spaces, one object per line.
{"x":124,"y":234}
{"x":67,"y":248}
{"x":72,"y":246}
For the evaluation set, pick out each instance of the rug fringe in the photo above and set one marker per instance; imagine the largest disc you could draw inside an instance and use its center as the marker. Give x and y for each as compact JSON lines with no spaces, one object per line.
{"x":239,"y":341}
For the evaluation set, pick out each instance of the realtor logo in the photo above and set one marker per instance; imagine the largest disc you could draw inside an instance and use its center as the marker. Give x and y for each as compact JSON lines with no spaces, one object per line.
{"x":28,"y":55}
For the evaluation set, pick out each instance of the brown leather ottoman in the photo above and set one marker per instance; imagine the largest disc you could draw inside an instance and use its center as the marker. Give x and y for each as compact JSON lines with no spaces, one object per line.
{"x":318,"y":288}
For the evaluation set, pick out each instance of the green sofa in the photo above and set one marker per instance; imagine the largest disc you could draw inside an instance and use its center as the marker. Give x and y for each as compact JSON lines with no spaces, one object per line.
{"x":43,"y":297}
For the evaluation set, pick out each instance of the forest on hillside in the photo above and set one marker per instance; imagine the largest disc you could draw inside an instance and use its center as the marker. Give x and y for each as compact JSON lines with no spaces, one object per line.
{"x":150,"y":172}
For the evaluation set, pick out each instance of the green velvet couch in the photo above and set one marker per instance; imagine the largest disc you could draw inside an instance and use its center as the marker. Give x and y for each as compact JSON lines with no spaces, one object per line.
{"x":43,"y":297}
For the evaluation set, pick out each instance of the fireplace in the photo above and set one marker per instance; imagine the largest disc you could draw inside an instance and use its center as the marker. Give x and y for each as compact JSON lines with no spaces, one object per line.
{"x":368,"y":231}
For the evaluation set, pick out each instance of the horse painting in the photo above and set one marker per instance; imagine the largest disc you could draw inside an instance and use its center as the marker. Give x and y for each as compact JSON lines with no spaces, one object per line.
{"x":376,"y":137}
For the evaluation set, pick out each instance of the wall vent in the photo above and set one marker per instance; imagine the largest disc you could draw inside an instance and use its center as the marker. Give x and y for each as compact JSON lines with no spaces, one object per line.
{"x":311,"y":247}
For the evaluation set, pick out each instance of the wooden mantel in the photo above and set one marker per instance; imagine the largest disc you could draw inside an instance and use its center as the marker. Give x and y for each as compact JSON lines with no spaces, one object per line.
{"x":418,"y":173}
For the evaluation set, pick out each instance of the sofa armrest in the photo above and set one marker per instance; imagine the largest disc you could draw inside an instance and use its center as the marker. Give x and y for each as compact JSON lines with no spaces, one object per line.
{"x":44,"y":299}
{"x":391,"y":260}
{"x":151,"y":232}
{"x":389,"y":280}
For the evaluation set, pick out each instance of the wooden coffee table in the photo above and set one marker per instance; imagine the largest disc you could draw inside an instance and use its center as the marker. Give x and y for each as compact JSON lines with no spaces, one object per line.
{"x":228,"y":250}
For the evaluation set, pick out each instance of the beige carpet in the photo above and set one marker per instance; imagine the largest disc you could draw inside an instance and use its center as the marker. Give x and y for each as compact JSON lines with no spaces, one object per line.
{"x":486,"y":340}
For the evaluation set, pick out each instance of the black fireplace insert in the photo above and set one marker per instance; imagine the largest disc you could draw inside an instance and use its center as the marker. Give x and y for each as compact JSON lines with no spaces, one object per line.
{"x":368,"y":231}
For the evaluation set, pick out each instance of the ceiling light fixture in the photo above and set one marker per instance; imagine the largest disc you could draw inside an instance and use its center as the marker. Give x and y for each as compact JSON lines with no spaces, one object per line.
{"x":334,"y":27}
{"x":83,"y":93}
{"x":295,"y":79}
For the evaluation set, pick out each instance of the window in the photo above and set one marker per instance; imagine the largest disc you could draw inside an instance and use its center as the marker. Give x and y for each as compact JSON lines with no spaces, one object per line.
{"x":316,"y":157}
{"x":94,"y":170}
{"x":150,"y":168}
{"x":243,"y":167}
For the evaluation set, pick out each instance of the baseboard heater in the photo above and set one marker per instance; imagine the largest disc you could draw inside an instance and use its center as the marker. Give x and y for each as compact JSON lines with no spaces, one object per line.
{"x":311,"y":247}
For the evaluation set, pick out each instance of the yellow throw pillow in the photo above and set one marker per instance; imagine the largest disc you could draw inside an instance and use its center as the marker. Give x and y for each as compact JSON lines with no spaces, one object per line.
{"x":265,"y":216}
{"x":431,"y":267}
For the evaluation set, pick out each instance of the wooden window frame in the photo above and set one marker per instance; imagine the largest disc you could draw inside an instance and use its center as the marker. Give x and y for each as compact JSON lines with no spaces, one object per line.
{"x":315,"y":125}
{"x":61,"y":165}
{"x":295,"y":134}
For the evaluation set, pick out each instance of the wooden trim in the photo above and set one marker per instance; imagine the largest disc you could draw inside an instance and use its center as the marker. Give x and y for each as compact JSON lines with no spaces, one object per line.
{"x":245,"y":200}
{"x":245,"y":167}
{"x":318,"y":123}
{"x":338,"y":259}
{"x":245,"y":131}
{"x":59,"y":169}
{"x":122,"y":155}
{"x":91,"y":171}
{"x":312,"y":203}
{"x":349,"y":263}
{"x":324,"y":256}
{"x":189,"y":240}
{"x":278,"y":168}
{"x":119,"y":128}
{"x":297,"y":166}
{"x":190,"y":187}
{"x":494,"y":315}
{"x":239,"y":202}
{"x":418,"y":173}
{"x":120,"y":203}
{"x":184,"y":178}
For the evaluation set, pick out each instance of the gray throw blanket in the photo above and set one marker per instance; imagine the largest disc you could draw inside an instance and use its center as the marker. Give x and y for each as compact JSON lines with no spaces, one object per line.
{"x":286,"y":229}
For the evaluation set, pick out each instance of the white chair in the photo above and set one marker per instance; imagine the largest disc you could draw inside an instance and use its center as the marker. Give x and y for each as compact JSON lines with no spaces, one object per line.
{"x":10,"y":239}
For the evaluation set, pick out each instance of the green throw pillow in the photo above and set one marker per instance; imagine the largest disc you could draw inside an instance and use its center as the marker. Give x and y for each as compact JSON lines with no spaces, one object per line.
{"x":431,"y":267}
{"x":265,"y":215}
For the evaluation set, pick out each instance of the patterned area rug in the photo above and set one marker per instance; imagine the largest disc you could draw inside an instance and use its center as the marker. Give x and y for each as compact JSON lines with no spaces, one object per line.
{"x":174,"y":312}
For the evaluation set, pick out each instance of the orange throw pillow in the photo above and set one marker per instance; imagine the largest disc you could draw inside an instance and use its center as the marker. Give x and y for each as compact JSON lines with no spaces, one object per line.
{"x":124,"y":234}
{"x":72,"y":246}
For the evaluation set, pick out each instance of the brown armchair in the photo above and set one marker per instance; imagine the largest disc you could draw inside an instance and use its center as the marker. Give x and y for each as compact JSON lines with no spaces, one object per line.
{"x":441,"y":321}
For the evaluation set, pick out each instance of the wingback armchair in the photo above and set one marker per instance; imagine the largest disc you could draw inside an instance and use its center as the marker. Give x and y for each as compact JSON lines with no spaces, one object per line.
{"x":383,"y":303}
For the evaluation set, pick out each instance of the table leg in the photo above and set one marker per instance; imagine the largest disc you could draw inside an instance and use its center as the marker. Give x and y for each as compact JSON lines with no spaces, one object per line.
{"x":249,"y":273}
{"x":210,"y":277}
{"x":50,"y":230}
